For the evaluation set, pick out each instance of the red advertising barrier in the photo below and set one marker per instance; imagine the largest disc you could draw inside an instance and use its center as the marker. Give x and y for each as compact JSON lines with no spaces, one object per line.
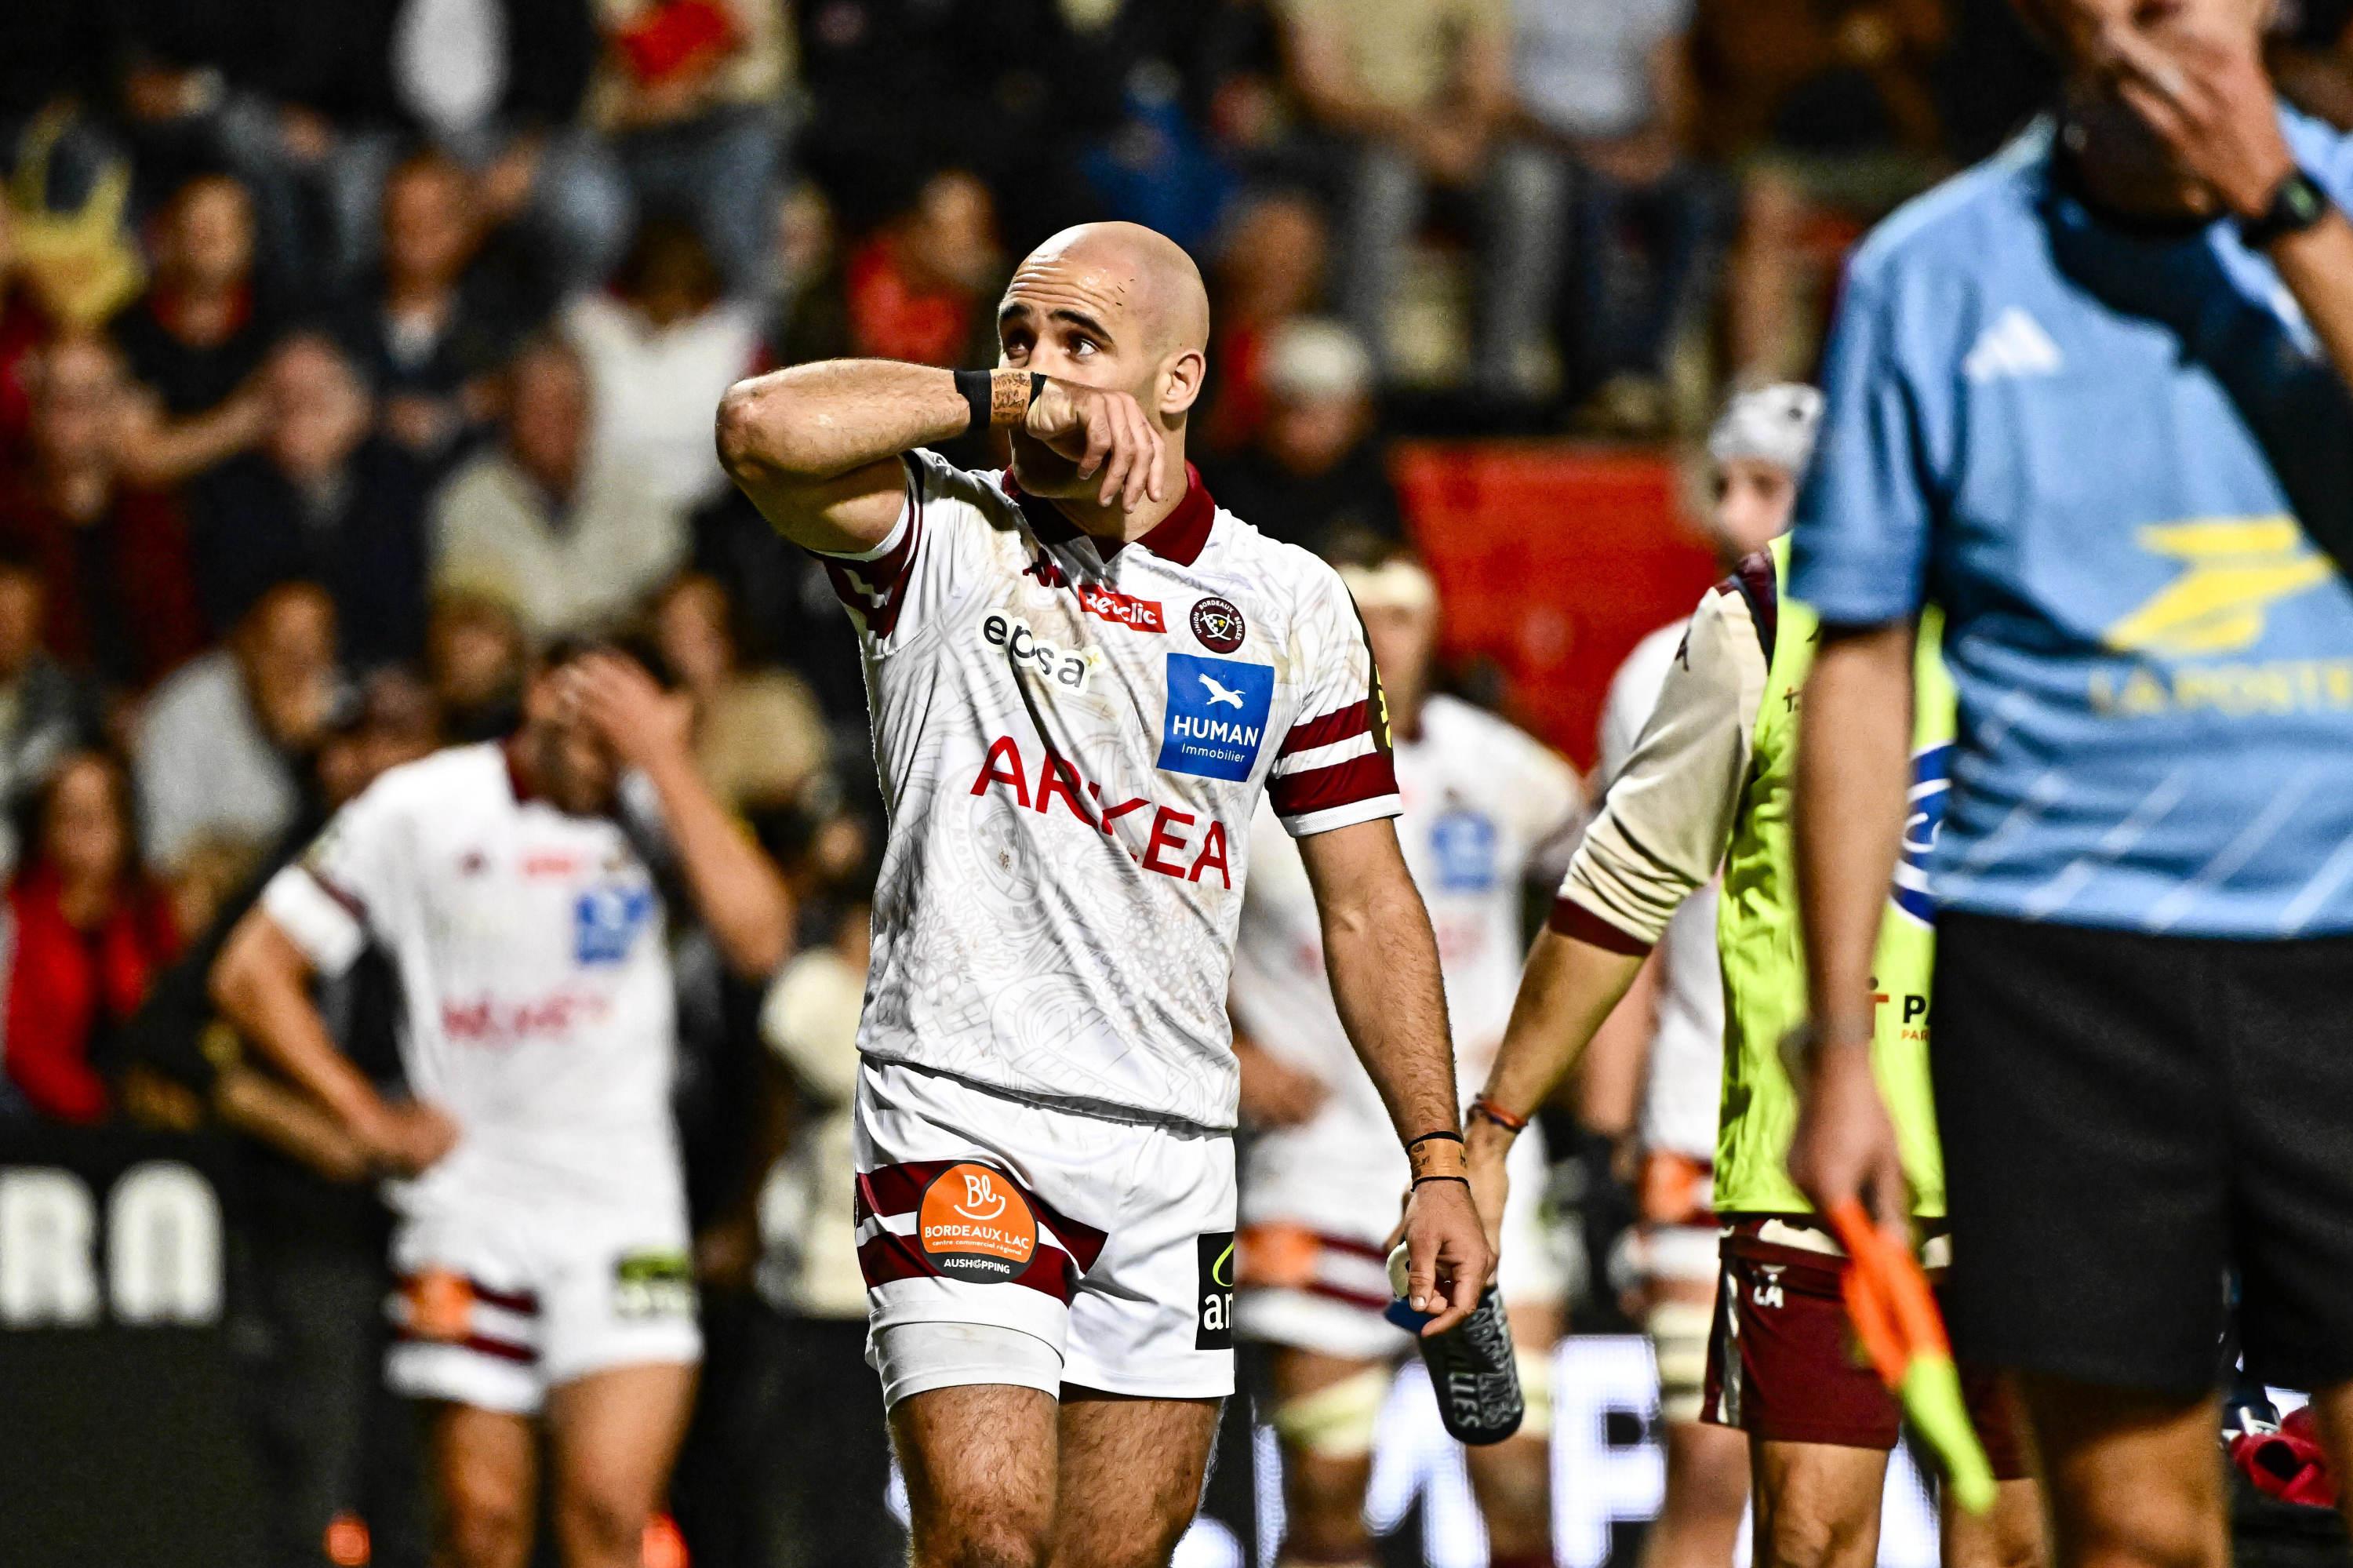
{"x":1553,"y":561}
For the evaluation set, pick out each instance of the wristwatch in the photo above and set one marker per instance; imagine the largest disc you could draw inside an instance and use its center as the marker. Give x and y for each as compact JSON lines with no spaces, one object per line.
{"x":2297,"y":202}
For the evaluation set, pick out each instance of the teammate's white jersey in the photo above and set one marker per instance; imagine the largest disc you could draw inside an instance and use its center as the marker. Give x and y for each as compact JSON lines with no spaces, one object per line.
{"x":533,"y":966}
{"x":1482,"y":803}
{"x":1684,"y":1086}
{"x":1071,"y":741}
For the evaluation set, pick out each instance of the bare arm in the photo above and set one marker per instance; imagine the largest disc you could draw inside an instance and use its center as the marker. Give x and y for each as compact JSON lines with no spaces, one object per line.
{"x":2317,"y":267}
{"x":290,"y":1122}
{"x":262,"y":983}
{"x":735,"y":889}
{"x":1854,"y":743}
{"x":1383,"y":961}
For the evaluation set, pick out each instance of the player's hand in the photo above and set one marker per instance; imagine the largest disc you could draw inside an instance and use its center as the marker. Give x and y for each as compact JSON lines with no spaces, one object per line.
{"x":2210,"y":102}
{"x":1844,"y":1146}
{"x":406,"y":1137}
{"x":1487,"y":1147}
{"x":1101,"y":431}
{"x":1273,"y":1092}
{"x":1448,"y":1260}
{"x":643,"y":723}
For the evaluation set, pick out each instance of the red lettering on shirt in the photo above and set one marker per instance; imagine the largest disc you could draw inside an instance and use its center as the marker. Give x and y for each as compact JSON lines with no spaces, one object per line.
{"x":1003,"y":748}
{"x":1213,"y":855}
{"x":1122,"y":609}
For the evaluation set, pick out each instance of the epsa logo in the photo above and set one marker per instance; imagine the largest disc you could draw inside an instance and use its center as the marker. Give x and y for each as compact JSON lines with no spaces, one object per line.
{"x":1218,"y":711}
{"x":1070,"y":667}
{"x":1924,"y":816}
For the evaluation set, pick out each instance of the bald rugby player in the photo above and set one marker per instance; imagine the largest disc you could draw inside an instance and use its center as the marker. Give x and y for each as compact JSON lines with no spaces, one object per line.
{"x":1083,"y":676}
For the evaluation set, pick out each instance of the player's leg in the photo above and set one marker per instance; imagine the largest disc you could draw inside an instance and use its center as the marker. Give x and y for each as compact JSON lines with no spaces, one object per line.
{"x":1324,"y":1409}
{"x":612,"y":1435}
{"x":1131,"y":1477}
{"x":2135,"y":1478}
{"x":1513,"y":1479}
{"x":1707,"y":1465}
{"x":2009,"y":1535}
{"x":1817,"y":1504}
{"x":483,"y":1470}
{"x":979,"y":1460}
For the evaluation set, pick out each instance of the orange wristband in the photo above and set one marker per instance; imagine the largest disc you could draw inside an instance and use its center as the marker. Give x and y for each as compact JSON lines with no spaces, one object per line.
{"x":1438,"y":1156}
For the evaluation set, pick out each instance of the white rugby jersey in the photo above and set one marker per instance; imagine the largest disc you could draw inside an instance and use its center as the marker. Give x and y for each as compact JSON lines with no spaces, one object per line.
{"x":1482,"y":803}
{"x":1685,"y":1082}
{"x":1072,"y":738}
{"x":533,"y":965}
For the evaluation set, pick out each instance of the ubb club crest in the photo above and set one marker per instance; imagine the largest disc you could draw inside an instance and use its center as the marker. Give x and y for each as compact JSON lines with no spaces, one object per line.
{"x":1923,"y":817}
{"x":1218,"y":624}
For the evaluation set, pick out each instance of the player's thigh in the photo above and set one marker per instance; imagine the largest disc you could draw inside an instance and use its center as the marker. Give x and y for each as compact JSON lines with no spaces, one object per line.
{"x":2132,"y":1477}
{"x":613,"y":1434}
{"x":1131,"y":1477}
{"x":484,"y":1467}
{"x":1324,"y":1409}
{"x":1817,"y":1503}
{"x":1707,"y":1493}
{"x":2007,"y":1535}
{"x":980,"y":1464}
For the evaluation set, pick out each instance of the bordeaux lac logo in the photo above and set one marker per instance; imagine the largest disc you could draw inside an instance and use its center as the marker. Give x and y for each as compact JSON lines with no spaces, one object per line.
{"x":1923,"y":817}
{"x":1218,"y":711}
{"x":1219,"y":625}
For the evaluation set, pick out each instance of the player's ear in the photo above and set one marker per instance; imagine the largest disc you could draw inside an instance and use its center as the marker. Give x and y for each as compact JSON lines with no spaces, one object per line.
{"x":1180,"y":381}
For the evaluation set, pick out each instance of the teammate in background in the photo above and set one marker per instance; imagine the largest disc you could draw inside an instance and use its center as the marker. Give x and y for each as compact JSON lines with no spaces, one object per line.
{"x":2084,"y":392}
{"x":1488,"y":812}
{"x":542,"y":1246}
{"x":1083,"y":676}
{"x":1675,"y":1009}
{"x":1708,"y":785}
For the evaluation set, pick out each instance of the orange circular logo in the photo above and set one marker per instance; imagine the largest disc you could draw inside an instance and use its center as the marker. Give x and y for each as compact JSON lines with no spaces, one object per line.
{"x":975,"y":1224}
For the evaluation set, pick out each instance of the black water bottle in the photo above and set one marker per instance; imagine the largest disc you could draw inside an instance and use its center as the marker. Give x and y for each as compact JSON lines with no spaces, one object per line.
{"x":1473,"y":1368}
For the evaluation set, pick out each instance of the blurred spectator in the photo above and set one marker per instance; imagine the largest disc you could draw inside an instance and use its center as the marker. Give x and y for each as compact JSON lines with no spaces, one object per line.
{"x":1315,"y":471}
{"x":786,"y":610}
{"x":922,"y":287}
{"x":323,"y":501}
{"x":660,"y":349}
{"x":195,"y":339}
{"x":1607,"y":84}
{"x":425,"y":337}
{"x":1420,"y":93}
{"x":45,"y":711}
{"x":547,"y":523}
{"x":86,"y":933}
{"x":759,"y":738}
{"x":820,"y":1487}
{"x":1828,"y":110}
{"x":685,"y":93}
{"x":1270,"y":268}
{"x":221,"y":744}
{"x":121,"y":599}
{"x":475,"y":660}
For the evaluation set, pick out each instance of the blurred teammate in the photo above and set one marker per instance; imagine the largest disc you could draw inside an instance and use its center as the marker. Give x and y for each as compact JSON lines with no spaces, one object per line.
{"x":1483,"y":805}
{"x":542,"y":1246}
{"x":1757,"y":450}
{"x":2084,"y":394}
{"x":1083,"y":676}
{"x":1707,"y":785}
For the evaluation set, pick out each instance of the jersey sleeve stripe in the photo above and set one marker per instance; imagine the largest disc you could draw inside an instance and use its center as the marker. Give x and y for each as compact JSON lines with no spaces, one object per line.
{"x":1338,"y":725}
{"x":1574,"y":920}
{"x":1324,"y":756}
{"x":1364,"y":778}
{"x":346,"y":900}
{"x":874,"y":587}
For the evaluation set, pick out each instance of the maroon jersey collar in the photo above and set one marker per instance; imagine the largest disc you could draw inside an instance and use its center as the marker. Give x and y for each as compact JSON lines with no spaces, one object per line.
{"x":1177,"y":538}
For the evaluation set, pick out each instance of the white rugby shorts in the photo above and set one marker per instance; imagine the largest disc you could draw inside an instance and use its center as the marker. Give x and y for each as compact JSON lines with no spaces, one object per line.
{"x":1109,"y":1241}
{"x":1316,"y":1207}
{"x":498,"y":1302}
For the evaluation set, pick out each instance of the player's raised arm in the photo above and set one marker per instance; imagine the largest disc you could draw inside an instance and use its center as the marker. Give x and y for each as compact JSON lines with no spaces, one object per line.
{"x":1383,"y":961}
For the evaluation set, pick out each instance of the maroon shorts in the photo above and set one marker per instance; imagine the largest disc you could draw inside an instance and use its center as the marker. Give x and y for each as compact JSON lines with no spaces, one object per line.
{"x":1783,"y":1365}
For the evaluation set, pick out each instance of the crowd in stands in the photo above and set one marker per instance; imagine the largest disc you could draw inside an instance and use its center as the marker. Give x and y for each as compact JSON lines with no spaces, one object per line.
{"x":352,"y":352}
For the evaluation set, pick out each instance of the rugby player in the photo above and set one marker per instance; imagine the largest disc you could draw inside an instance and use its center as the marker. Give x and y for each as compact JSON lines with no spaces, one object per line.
{"x":2085,"y":391}
{"x":1082,"y":676}
{"x":1488,"y":812}
{"x":1707,"y":786}
{"x":1757,"y":450}
{"x":541,"y":1242}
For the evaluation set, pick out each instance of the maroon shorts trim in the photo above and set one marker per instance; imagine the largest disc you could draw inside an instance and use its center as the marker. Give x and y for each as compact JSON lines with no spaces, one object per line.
{"x":1783,"y":1365}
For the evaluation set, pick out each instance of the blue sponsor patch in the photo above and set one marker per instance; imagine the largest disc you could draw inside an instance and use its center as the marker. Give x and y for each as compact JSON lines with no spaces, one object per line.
{"x":1218,"y":711}
{"x":1462,"y":841}
{"x":605,"y":921}
{"x":1923,"y":817}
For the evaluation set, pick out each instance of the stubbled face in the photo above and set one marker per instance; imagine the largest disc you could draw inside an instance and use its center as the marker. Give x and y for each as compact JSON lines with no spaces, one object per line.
{"x":1071,"y":313}
{"x":1753,"y":500}
{"x":575,"y":768}
{"x":1404,"y":641}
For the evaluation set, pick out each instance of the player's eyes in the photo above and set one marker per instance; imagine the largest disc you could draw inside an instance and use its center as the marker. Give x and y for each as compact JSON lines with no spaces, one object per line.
{"x":1081,"y":346}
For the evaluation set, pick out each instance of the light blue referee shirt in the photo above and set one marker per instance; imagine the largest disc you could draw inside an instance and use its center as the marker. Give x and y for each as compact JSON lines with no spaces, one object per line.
{"x":2105,"y":452}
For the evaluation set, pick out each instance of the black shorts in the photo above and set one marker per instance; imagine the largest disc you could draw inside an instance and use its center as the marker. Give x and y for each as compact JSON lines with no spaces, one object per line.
{"x":2126,"y":1118}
